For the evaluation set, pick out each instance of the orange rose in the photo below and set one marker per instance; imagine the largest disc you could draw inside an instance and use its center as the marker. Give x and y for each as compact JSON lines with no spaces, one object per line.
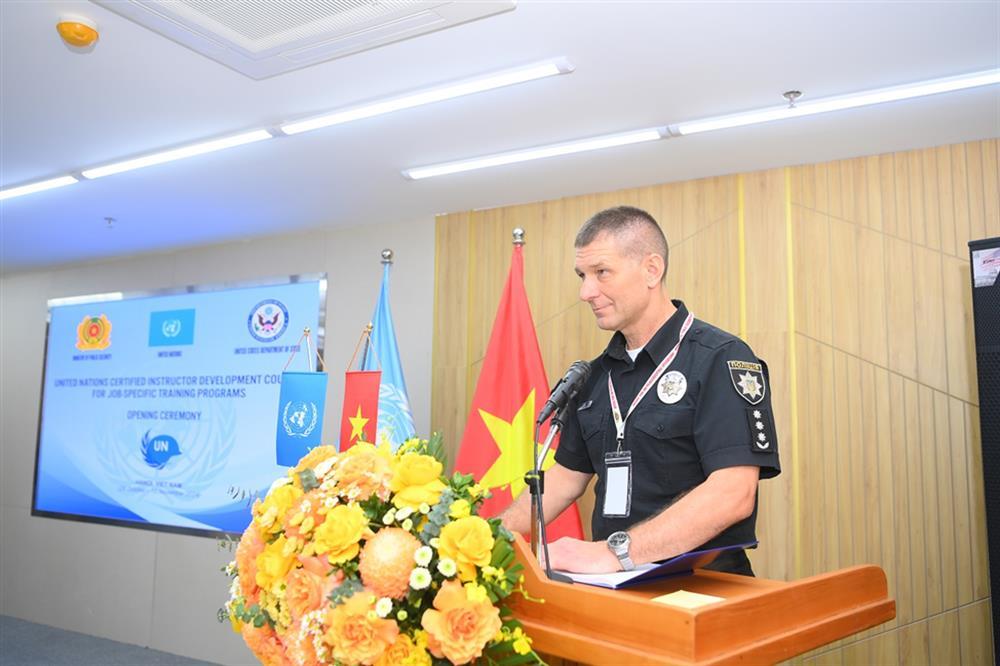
{"x":251,"y":545}
{"x":404,"y":653}
{"x":300,"y":649}
{"x":264,"y":644}
{"x":315,"y":457}
{"x":469,"y":542}
{"x":306,"y":592}
{"x":356,"y":634}
{"x":459,"y":628}
{"x":364,"y":470}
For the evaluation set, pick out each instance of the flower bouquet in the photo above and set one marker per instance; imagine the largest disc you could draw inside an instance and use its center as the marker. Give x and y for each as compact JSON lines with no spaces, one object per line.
{"x":375,"y":557}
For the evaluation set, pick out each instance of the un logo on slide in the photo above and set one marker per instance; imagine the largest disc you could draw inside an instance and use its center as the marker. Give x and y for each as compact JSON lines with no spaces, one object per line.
{"x":157,"y":451}
{"x":171,"y":328}
{"x":299,"y":418}
{"x":268,"y":320}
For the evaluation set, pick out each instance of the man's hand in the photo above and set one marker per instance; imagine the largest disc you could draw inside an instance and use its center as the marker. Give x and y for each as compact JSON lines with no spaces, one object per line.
{"x":579,"y":556}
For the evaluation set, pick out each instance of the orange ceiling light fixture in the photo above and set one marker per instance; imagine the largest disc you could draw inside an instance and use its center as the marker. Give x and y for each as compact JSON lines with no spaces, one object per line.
{"x":77,"y":31}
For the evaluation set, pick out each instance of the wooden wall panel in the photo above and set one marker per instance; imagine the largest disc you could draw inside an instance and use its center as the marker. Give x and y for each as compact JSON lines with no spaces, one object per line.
{"x":866,"y":326}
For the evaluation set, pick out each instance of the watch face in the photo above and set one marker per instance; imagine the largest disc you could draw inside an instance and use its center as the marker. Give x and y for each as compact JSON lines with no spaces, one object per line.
{"x":618,"y":539}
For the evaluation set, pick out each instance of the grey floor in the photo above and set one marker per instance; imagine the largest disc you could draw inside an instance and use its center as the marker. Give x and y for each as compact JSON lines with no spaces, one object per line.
{"x":28,"y":644}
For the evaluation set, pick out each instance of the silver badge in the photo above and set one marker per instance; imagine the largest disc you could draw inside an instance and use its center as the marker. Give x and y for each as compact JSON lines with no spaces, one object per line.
{"x":671,"y":387}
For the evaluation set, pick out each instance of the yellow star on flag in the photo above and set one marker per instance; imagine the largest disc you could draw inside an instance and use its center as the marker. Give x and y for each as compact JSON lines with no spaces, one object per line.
{"x":513,"y":438}
{"x":358,"y":424}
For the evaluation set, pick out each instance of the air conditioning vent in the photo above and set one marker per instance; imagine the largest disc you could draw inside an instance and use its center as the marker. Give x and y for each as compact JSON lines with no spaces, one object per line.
{"x":262,"y":38}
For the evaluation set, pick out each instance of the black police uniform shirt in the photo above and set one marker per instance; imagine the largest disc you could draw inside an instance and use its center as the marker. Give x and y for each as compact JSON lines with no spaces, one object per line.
{"x":722,"y":420}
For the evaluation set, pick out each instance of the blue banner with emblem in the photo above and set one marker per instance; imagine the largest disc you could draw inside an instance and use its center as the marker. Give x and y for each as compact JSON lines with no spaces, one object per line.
{"x":395,"y":420}
{"x":300,"y":415}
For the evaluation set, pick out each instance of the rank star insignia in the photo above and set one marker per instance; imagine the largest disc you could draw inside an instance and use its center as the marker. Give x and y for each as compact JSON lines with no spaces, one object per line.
{"x":748,"y":380}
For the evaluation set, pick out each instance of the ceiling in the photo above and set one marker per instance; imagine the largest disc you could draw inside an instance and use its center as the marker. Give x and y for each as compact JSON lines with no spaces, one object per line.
{"x":637,"y":65}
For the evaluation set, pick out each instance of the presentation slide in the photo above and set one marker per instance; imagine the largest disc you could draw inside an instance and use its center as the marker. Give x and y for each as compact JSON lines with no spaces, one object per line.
{"x":161,"y":411}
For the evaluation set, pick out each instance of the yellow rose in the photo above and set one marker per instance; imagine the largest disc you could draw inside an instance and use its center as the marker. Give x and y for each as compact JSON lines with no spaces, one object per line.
{"x":469,"y":542}
{"x":458,"y":628}
{"x":460,"y":509}
{"x":273,"y":564}
{"x":340,"y":533}
{"x":268,"y":514}
{"x":416,"y":480}
{"x":356,"y":634}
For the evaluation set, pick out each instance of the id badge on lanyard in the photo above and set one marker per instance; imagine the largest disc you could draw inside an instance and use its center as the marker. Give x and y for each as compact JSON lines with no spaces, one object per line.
{"x":617,"y":484}
{"x":618,"y":463}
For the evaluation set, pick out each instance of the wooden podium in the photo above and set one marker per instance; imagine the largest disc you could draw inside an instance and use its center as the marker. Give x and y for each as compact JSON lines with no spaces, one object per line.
{"x":761,"y":621}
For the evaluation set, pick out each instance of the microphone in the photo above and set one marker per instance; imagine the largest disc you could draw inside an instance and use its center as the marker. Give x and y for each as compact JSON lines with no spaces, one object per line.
{"x":565,"y":390}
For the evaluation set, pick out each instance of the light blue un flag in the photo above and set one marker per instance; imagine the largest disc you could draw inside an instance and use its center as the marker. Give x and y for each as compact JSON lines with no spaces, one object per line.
{"x":395,"y":421}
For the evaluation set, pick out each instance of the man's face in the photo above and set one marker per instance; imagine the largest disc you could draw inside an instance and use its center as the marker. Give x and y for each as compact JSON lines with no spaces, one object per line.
{"x":613,"y":284}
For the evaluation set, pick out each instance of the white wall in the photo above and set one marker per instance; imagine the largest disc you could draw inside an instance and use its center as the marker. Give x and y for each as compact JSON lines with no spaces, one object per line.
{"x":163,"y":590}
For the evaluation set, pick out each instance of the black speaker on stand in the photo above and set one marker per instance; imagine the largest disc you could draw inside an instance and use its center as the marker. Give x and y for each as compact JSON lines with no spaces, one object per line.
{"x":985,"y":258}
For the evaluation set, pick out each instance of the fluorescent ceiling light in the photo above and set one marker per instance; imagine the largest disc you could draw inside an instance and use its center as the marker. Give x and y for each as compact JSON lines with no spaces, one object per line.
{"x":541,"y":152}
{"x":825,"y":105}
{"x":177,"y":153}
{"x":81,"y":300}
{"x":20,"y":190}
{"x":431,"y":95}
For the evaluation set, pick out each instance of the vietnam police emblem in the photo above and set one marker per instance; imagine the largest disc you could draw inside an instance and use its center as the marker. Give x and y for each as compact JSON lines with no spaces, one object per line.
{"x":748,"y":380}
{"x":299,"y":418}
{"x":671,"y":387}
{"x":93,"y":333}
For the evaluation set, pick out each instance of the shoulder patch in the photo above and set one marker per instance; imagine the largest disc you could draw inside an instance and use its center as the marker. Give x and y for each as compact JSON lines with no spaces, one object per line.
{"x":748,"y":380}
{"x":761,"y":432}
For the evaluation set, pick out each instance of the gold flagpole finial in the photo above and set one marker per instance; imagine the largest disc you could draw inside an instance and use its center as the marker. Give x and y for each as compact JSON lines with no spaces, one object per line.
{"x":518,"y":236}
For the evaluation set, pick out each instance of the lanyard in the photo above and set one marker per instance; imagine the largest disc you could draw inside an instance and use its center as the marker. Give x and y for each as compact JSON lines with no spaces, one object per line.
{"x":616,"y":411}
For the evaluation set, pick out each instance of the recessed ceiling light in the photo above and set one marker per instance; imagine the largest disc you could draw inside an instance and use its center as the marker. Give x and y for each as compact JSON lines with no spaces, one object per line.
{"x":430,"y":95}
{"x":177,"y":153}
{"x":20,"y":190}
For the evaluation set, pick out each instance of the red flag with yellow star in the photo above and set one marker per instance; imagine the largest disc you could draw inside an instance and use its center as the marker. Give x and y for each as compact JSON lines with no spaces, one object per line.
{"x":497,"y":445}
{"x":360,"y":416}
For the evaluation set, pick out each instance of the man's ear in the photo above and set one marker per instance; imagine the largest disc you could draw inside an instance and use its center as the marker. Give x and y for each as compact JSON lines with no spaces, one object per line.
{"x":653,"y":269}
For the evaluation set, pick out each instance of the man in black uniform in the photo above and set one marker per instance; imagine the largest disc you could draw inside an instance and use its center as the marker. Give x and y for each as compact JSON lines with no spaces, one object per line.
{"x":675,"y":420}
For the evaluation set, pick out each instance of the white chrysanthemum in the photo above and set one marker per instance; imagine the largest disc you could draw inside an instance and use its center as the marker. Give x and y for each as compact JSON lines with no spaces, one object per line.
{"x":407,"y":525}
{"x":420,"y":578}
{"x":383,"y":607}
{"x":330,"y":502}
{"x":435,"y":543}
{"x":447,"y":567}
{"x":404,"y":513}
{"x":389,"y":518}
{"x":425,"y":508}
{"x":234,"y":589}
{"x":423,"y":556}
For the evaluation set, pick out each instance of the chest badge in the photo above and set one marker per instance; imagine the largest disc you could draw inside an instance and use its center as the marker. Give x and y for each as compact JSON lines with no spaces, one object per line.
{"x":671,"y":387}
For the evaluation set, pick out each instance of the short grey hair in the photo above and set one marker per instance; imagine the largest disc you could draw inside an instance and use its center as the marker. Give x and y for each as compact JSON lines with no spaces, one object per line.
{"x":638,"y":232}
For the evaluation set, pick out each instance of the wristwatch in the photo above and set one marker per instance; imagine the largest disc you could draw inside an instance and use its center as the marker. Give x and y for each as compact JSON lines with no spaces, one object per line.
{"x":619,"y":542}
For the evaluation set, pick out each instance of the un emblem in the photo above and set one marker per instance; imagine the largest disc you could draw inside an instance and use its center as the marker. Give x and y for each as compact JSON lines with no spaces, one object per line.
{"x":171,"y":328}
{"x":299,"y":418}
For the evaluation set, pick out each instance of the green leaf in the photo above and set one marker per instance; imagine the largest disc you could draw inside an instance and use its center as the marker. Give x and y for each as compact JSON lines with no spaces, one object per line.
{"x":308,"y":479}
{"x":515,"y":659}
{"x":435,"y":448}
